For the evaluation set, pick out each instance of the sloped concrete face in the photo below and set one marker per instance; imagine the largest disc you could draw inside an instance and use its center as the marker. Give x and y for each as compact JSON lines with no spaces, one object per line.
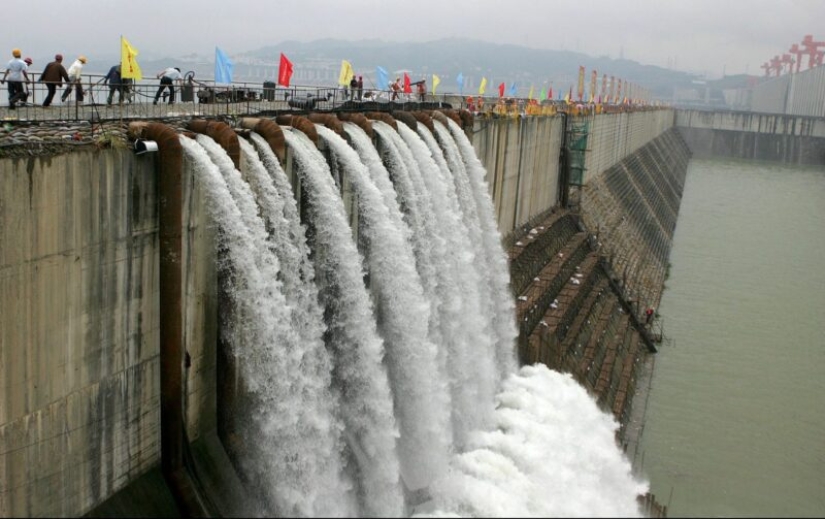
{"x":79,"y":318}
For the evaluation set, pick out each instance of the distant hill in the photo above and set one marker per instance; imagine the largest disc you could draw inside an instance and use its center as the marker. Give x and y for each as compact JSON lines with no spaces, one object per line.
{"x":318,"y":62}
{"x":474,"y":59}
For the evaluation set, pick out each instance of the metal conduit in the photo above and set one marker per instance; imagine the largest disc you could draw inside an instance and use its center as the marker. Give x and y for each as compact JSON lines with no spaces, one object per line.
{"x":170,"y":220}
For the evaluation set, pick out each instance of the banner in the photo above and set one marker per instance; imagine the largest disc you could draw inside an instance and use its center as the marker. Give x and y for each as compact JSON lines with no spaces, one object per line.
{"x":550,"y":93}
{"x":460,"y":81}
{"x":382,"y":78}
{"x":284,"y":71}
{"x":604,"y":86}
{"x":436,"y":81}
{"x":482,"y":86}
{"x":581,"y":82}
{"x":223,"y":67}
{"x":610,"y":97}
{"x":345,"y":76}
{"x":129,"y":68}
{"x":501,"y":90}
{"x":407,"y":84}
{"x":530,"y":93}
{"x":513,"y":91}
{"x":593,"y":77}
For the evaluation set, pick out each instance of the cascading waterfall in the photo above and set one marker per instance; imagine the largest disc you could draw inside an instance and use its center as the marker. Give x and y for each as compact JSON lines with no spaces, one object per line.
{"x":401,"y":370}
{"x":455,"y":322}
{"x":486,"y":241}
{"x":402,"y":313}
{"x":472,"y":373}
{"x":298,"y":465}
{"x":499,"y":278}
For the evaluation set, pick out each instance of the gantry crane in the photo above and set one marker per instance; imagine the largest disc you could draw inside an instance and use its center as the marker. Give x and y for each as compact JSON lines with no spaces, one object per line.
{"x":796,"y":51}
{"x":787,"y":60}
{"x":776,"y":65}
{"x":812,"y":50}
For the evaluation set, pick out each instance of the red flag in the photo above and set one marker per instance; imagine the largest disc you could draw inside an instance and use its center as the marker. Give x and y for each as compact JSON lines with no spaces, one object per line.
{"x":407,"y":84}
{"x":284,"y":71}
{"x":550,"y":94}
{"x":501,"y":90}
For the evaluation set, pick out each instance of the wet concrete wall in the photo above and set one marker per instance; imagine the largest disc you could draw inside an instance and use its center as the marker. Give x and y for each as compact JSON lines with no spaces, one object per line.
{"x":79,"y":313}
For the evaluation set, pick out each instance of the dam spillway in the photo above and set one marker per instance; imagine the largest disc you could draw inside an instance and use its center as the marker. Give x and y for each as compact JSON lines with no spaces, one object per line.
{"x":104,"y":251}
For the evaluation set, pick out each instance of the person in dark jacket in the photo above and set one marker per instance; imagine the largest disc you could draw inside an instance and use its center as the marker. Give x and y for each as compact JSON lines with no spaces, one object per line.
{"x":115,"y":83}
{"x":353,"y":87}
{"x":53,"y":75}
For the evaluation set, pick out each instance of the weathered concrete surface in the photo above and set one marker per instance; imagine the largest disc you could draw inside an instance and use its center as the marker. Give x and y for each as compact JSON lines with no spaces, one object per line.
{"x":755,"y":136}
{"x":79,"y":307}
{"x":521,"y":155}
{"x":79,"y":304}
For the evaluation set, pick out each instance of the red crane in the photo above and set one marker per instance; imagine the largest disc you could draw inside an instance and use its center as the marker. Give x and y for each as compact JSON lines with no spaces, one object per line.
{"x":787,"y":60}
{"x":776,"y":65}
{"x":812,"y":50}
{"x":795,"y":50}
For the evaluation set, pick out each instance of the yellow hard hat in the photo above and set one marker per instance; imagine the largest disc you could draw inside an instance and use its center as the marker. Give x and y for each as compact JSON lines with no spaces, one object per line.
{"x":16,"y":53}
{"x":82,"y":59}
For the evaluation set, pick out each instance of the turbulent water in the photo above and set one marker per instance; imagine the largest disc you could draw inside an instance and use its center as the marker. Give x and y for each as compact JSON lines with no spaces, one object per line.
{"x":737,"y":405}
{"x":377,"y":350}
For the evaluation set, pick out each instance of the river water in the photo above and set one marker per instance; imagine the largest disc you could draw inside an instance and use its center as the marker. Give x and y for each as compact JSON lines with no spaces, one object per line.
{"x":735,"y":416}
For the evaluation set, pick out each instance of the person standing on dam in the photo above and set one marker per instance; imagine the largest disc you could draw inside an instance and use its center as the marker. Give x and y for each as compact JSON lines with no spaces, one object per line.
{"x":75,"y":80}
{"x":167,"y":80}
{"x":16,"y":72}
{"x":53,"y":75}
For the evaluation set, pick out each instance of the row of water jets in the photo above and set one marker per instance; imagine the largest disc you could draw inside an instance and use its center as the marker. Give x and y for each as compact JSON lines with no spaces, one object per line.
{"x":379,"y":373}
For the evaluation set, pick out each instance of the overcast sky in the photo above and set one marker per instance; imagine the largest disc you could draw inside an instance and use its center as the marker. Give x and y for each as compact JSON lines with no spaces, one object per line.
{"x":692,"y":35}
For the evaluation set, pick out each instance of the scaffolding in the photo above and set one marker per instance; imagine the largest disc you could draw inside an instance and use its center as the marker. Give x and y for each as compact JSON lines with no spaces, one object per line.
{"x":577,"y":132}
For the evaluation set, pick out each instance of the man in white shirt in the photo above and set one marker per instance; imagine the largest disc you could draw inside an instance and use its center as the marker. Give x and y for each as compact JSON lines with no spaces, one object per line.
{"x":75,"y":80}
{"x":167,"y":80}
{"x":16,"y":74}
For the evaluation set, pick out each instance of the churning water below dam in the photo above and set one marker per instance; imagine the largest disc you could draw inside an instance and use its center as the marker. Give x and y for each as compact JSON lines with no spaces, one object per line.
{"x":736,"y":410}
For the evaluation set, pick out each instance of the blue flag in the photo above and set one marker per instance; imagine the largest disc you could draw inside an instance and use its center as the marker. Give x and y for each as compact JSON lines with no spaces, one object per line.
{"x":513,"y":90}
{"x":460,"y":80}
{"x":223,"y":67}
{"x":382,"y":78}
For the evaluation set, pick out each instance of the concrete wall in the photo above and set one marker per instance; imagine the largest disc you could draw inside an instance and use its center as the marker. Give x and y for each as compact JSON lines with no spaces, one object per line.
{"x":802,"y":93}
{"x":521,"y":156}
{"x":772,"y":137}
{"x":613,"y":137}
{"x":79,"y":320}
{"x":80,"y":304}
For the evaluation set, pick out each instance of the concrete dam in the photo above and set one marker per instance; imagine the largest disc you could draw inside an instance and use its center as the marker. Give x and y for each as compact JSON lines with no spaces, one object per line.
{"x":135,"y":299}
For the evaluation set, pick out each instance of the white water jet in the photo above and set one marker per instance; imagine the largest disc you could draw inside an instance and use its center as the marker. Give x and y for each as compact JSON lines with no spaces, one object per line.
{"x":291,"y":447}
{"x":473,"y":376}
{"x":421,"y":400}
{"x":357,"y":348}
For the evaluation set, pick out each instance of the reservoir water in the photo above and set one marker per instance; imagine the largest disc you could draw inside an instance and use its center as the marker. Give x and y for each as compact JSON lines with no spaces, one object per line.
{"x":735,"y":415}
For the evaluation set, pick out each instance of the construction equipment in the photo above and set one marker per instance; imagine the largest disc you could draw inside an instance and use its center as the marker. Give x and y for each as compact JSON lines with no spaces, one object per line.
{"x":787,"y":60}
{"x":796,"y":51}
{"x":812,"y":50}
{"x":776,"y":65}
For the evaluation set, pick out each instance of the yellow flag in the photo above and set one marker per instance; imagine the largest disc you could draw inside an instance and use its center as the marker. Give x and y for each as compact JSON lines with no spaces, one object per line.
{"x":346,"y":73}
{"x":129,"y":68}
{"x":530,"y":95}
{"x":436,"y":81}
{"x":482,"y":86}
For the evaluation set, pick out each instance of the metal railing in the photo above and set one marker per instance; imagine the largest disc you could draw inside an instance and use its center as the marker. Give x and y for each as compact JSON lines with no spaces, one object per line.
{"x":207,"y":98}
{"x":200,"y":98}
